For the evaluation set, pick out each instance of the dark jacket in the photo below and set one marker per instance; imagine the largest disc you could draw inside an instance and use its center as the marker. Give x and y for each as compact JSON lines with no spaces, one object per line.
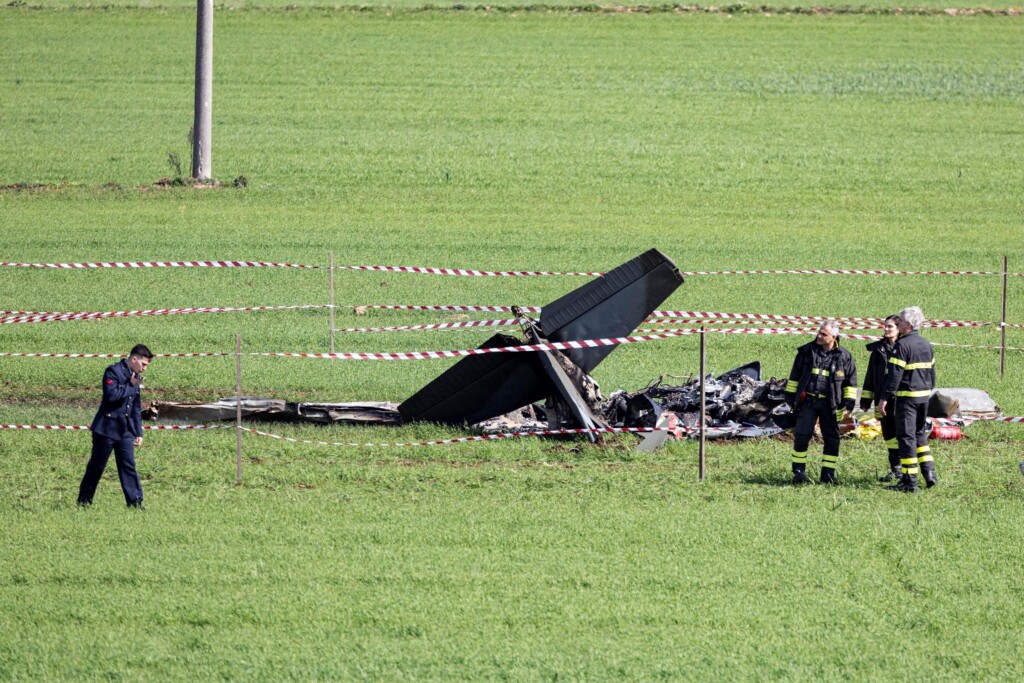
{"x":911,"y":370}
{"x":874,"y":378}
{"x":840,"y":370}
{"x":120,"y":412}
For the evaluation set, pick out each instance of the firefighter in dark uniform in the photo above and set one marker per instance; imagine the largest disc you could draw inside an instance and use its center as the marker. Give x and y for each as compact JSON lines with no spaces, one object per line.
{"x":117,"y":427}
{"x":874,"y":384}
{"x":907,"y":390}
{"x":822,"y":387}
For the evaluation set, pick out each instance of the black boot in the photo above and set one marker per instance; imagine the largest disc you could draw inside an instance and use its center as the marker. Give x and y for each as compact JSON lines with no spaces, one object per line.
{"x":892,"y":475}
{"x":828,"y":476}
{"x":799,"y":474}
{"x":928,"y":472}
{"x":908,"y":484}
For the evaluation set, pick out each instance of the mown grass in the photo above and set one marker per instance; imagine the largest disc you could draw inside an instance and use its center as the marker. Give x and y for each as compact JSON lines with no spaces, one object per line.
{"x":501,"y":141}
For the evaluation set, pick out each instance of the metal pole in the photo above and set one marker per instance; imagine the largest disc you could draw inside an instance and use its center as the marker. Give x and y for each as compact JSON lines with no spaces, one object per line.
{"x":1002,"y":327}
{"x":238,"y":409}
{"x":203,"y":121}
{"x":703,"y":402}
{"x":332,"y":301}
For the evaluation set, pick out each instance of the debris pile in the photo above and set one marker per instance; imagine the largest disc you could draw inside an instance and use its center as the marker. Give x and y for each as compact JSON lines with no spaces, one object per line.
{"x":737,"y":403}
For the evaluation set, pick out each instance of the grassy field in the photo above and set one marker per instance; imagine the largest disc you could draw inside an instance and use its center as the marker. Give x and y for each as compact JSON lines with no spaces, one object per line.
{"x":501,"y":140}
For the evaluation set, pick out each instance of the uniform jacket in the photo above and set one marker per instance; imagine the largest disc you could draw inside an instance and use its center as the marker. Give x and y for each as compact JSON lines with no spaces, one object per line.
{"x":874,"y":378}
{"x":841,"y":371}
{"x":911,"y":370}
{"x":120,"y":412}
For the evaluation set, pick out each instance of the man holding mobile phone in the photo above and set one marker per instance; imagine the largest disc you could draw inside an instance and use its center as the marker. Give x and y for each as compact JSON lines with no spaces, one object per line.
{"x":117,"y":427}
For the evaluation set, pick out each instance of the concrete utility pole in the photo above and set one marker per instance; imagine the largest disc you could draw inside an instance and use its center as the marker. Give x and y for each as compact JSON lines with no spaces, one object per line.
{"x":203,"y":121}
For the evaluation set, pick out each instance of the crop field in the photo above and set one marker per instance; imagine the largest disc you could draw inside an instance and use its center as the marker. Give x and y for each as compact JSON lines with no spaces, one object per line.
{"x":547,"y":137}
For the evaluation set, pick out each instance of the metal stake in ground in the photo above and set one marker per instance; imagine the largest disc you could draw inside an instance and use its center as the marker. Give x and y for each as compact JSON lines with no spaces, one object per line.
{"x":703,"y":402}
{"x":238,"y":409}
{"x":331,"y":269}
{"x":1002,"y":327}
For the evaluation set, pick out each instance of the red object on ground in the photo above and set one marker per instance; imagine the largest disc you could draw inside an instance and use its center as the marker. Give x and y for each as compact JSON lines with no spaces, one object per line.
{"x":946,"y":432}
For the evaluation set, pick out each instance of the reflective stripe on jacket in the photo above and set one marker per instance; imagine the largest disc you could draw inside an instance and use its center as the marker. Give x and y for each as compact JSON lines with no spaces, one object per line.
{"x":874,"y":377}
{"x":841,"y":371}
{"x":911,"y":370}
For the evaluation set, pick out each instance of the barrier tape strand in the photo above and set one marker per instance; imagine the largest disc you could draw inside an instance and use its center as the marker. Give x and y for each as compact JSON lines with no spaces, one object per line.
{"x":86,"y":315}
{"x":86,"y":428}
{"x":648,"y":335}
{"x":159,"y":264}
{"x":474,"y":272}
{"x":695,"y":315}
{"x":464,"y":272}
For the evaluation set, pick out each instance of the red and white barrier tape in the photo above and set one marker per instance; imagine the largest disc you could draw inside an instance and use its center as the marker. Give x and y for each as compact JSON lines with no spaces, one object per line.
{"x":436,"y":326}
{"x":462,"y":272}
{"x":968,"y":419}
{"x":847,"y":323}
{"x":109,"y":355}
{"x":411,"y":355}
{"x":456,"y":309}
{"x":687,"y":315}
{"x":648,"y":335}
{"x":800,"y":331}
{"x":468,"y":439}
{"x":509,"y":323}
{"x":520,"y":273}
{"x":86,"y":428}
{"x":464,"y":439}
{"x":843,"y":272}
{"x":159,"y":264}
{"x":729,"y":317}
{"x":459,"y":353}
{"x":61,"y":317}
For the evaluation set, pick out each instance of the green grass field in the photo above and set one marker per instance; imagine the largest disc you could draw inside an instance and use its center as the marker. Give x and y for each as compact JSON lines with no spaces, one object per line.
{"x":533,"y":140}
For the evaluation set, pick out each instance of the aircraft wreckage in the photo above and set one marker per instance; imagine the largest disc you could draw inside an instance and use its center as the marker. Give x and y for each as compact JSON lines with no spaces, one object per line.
{"x":503,"y":391}
{"x":483,"y":387}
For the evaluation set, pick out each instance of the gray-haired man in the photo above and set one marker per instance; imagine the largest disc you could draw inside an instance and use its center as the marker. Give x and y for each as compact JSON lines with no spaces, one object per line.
{"x":907,"y":390}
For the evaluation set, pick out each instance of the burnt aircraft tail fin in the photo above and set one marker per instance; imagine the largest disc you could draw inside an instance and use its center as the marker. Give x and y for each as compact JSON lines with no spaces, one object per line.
{"x":481,"y":387}
{"x":610,"y":306}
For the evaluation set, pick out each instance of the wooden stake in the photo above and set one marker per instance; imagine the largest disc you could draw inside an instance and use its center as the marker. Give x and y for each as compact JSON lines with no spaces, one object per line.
{"x":238,"y":409}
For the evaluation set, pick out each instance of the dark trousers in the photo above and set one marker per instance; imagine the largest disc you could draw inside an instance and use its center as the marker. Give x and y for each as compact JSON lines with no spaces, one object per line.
{"x":124,"y":456}
{"x":810,"y":411}
{"x":912,"y":435}
{"x":888,"y":423}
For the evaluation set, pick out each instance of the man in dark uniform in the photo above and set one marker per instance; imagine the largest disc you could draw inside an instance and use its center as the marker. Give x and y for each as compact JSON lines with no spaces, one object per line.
{"x":907,"y":390}
{"x":117,"y":427}
{"x":822,"y":387}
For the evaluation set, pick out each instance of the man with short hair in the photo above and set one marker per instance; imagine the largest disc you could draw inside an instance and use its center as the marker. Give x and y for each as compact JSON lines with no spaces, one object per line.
{"x":908,"y":387}
{"x":822,"y":387}
{"x":117,"y":427}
